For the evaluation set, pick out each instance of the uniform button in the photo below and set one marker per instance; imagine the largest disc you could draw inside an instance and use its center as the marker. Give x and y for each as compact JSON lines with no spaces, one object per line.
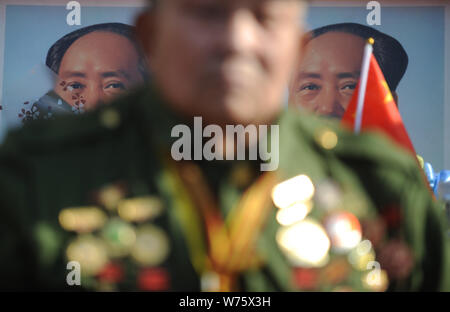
{"x":327,"y":139}
{"x":110,"y":118}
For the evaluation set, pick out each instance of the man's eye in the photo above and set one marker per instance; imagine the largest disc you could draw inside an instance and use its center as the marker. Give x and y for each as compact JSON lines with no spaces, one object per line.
{"x":349,"y":86}
{"x":115,"y":85}
{"x":310,"y":87}
{"x":75,"y":86}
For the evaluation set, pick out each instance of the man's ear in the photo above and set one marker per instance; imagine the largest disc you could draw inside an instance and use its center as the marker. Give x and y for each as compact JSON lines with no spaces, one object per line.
{"x":395,"y":96}
{"x":145,"y":33}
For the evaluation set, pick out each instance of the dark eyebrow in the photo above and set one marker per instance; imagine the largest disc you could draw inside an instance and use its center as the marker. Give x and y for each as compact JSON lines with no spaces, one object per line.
{"x":309,"y":75}
{"x":117,"y":73}
{"x":70,"y":74}
{"x":304,"y":75}
{"x":348,"y":75}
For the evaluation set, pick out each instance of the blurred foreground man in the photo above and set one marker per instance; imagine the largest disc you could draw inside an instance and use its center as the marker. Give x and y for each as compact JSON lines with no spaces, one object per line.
{"x":102,"y":202}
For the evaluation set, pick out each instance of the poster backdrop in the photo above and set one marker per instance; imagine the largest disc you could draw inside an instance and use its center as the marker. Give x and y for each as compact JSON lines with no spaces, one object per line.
{"x":28,"y":31}
{"x":421,"y":31}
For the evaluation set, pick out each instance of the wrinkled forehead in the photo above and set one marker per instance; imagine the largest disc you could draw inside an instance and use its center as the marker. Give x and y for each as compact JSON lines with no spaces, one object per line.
{"x":105,"y":50}
{"x":335,"y":40}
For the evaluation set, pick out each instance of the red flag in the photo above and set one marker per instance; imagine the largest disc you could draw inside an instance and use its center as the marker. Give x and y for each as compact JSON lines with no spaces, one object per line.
{"x":380,"y":111}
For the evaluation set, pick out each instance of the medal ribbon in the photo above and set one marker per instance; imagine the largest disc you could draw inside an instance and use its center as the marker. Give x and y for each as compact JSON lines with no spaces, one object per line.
{"x":230,"y":249}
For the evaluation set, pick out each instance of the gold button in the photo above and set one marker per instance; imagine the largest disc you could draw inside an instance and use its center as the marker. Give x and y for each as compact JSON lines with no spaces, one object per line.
{"x":327,"y":139}
{"x":110,"y":118}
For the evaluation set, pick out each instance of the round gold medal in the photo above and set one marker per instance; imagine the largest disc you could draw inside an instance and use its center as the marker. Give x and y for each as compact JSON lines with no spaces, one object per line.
{"x":151,"y":247}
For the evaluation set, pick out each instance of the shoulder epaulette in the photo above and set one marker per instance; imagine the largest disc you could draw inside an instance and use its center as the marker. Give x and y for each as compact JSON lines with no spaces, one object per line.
{"x":330,"y":137}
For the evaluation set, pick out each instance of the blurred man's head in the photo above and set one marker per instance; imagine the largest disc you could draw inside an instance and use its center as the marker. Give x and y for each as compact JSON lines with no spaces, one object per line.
{"x":329,"y":70}
{"x":96,"y":63}
{"x":225,"y":60}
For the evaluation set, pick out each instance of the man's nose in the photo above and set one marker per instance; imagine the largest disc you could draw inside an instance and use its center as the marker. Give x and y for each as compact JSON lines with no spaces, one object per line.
{"x":328,"y":103}
{"x":241,"y":33}
{"x":93,"y":95}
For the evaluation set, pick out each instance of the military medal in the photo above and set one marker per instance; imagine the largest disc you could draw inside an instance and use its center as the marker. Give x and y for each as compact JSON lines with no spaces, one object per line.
{"x":306,"y":279}
{"x":232,"y":244}
{"x":109,"y":196}
{"x":292,"y":191}
{"x":293,"y":198}
{"x":328,"y":196}
{"x":140,"y":209}
{"x":344,"y":231}
{"x":89,"y":252}
{"x":151,"y":247}
{"x":361,"y":256}
{"x":305,"y":244}
{"x":119,"y":237}
{"x":376,"y":280}
{"x":112,"y":273}
{"x":153,"y":279}
{"x":82,"y":219}
{"x":292,"y":214}
{"x":210,"y":282}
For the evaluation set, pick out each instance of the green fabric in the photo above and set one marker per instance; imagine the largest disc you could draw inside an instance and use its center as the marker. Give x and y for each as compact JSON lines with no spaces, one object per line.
{"x":50,"y":165}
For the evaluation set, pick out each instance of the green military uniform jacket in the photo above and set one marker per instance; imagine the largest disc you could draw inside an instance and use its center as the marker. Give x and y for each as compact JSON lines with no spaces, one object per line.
{"x":48,"y":166}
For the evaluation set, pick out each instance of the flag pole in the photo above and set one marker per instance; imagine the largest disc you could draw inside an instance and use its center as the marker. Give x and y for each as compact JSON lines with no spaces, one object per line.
{"x":363,"y":84}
